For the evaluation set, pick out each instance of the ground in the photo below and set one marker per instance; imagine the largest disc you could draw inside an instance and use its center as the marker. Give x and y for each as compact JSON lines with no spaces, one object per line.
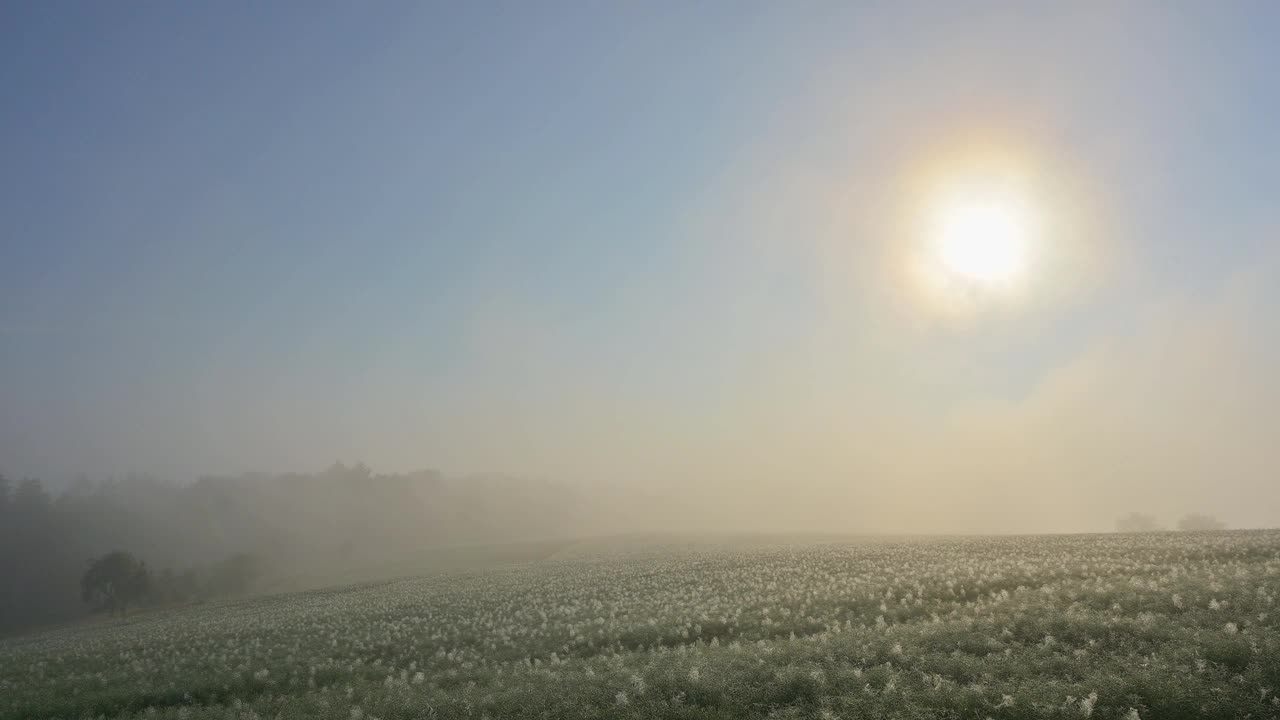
{"x":1163,"y":625}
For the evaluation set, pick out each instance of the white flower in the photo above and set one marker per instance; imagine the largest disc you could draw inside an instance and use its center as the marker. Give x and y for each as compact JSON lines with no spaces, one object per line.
{"x":1086,"y":705}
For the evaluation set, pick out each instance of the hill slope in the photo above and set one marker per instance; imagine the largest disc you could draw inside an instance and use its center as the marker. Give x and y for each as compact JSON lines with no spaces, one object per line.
{"x":1164,"y":625}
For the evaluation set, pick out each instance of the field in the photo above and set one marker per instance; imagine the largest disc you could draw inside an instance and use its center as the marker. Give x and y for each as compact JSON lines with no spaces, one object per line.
{"x":1106,"y":626}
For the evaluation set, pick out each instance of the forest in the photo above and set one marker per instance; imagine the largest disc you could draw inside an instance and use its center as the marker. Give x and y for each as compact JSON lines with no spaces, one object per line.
{"x":223,"y":536}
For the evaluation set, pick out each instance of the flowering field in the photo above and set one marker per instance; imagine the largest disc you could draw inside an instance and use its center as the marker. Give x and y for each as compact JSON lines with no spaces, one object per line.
{"x":1107,"y":626}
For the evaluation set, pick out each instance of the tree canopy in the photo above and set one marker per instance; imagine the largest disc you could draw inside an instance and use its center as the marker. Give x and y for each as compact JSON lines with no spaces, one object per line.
{"x":117,"y":580}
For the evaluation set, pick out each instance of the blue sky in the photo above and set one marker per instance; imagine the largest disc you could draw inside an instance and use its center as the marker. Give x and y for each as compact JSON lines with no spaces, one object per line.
{"x":589,"y":240}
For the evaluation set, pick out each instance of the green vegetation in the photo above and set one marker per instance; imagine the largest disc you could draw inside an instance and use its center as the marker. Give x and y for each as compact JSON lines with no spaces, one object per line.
{"x":1153,"y":625}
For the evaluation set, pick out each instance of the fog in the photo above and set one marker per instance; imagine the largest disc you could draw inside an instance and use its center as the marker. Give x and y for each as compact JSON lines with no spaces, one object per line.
{"x":528,"y":282}
{"x":1171,"y":415}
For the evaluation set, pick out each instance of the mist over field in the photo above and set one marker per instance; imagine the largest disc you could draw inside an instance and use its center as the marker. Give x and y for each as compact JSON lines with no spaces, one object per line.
{"x":403,"y":360}
{"x":704,"y":281}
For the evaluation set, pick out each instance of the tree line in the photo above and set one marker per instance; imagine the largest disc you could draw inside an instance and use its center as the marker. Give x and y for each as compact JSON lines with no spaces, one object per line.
{"x":50,"y":543}
{"x":1191,"y":522}
{"x":120,"y":580}
{"x":222,"y":536}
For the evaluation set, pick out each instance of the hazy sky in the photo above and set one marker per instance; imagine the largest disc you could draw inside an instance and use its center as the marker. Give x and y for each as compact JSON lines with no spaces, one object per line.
{"x":657,"y":242}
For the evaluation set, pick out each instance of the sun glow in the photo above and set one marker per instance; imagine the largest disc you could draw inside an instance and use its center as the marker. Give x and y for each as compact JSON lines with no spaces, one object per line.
{"x":978,"y":234}
{"x":980,"y":238}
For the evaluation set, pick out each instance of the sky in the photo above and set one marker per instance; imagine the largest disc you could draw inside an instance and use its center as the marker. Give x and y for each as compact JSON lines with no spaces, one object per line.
{"x":663,"y":245}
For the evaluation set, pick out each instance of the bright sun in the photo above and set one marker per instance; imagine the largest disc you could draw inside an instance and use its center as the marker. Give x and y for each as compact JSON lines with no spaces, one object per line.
{"x":981,"y":225}
{"x":981,"y":238}
{"x":984,"y":230}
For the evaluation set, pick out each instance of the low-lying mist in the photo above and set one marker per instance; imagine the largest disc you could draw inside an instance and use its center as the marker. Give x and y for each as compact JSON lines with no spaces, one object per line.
{"x":232,"y":536}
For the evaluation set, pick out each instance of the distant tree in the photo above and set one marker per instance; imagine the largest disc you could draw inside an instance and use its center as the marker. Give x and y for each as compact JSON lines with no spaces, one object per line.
{"x":1137,"y":522}
{"x":236,"y":574}
{"x":31,"y":497}
{"x":1200,"y":521}
{"x":116,"y":580}
{"x":164,"y":587}
{"x":6,"y":489}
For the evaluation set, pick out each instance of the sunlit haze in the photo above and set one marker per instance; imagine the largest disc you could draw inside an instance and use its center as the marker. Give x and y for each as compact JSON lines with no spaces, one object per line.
{"x":851,"y":267}
{"x":982,"y":239}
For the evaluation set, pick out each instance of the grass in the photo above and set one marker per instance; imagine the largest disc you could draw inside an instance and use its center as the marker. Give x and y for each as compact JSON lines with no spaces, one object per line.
{"x":1163,"y":625}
